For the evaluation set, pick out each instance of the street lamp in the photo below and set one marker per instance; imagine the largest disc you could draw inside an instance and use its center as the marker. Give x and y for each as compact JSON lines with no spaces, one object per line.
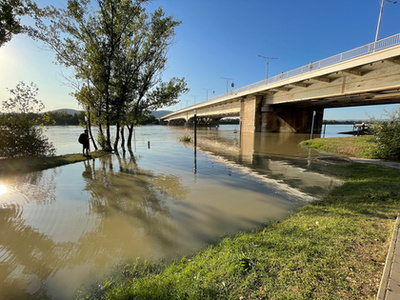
{"x":227,"y":82}
{"x":267,"y":59}
{"x":194,"y":99}
{"x":380,"y":17}
{"x":207,"y":92}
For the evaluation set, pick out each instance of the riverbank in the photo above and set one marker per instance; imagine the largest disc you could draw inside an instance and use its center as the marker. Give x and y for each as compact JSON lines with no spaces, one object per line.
{"x":334,"y":248}
{"x":13,"y":166}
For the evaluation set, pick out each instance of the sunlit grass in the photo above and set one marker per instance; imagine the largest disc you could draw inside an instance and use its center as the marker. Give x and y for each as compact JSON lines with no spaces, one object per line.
{"x":29,"y":164}
{"x":355,"y":146}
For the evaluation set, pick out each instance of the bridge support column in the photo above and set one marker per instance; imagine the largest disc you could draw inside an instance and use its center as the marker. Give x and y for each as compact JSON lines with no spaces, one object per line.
{"x":250,"y":113}
{"x":290,"y":119}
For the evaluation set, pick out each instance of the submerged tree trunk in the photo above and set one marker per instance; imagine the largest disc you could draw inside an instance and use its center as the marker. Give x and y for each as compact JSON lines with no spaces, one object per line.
{"x":130,"y":134}
{"x":108,"y":137}
{"x":117,"y":138}
{"x":90,"y":129}
{"x":122,"y":138}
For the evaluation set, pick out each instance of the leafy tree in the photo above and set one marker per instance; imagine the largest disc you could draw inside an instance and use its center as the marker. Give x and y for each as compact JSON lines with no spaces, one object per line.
{"x":10,"y":22}
{"x":119,"y":53}
{"x":19,"y":134}
{"x":388,"y":136}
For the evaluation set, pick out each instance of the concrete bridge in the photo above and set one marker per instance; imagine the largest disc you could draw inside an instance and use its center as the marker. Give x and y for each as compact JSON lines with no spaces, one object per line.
{"x":294,"y":100}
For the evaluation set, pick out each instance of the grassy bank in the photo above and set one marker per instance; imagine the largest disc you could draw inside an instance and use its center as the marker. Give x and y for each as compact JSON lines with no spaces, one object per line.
{"x":334,"y":248}
{"x":29,"y":164}
{"x":354,"y":146}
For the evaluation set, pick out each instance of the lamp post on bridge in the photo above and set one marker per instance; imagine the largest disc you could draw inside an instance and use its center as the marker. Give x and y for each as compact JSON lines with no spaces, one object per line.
{"x":207,"y":92}
{"x":379,"y":20}
{"x":194,"y":99}
{"x":267,"y":59}
{"x":227,"y":82}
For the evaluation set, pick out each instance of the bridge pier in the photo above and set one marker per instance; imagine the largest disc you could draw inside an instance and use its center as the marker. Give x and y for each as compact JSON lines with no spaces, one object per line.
{"x":254,"y":117}
{"x":290,"y":119}
{"x":250,"y":117}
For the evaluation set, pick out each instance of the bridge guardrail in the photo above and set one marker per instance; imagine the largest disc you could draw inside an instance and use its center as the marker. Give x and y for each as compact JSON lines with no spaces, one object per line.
{"x":380,"y":45}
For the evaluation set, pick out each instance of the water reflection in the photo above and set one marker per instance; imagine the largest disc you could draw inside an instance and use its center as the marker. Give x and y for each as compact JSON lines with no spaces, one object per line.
{"x":65,"y":227}
{"x":275,"y":159}
{"x":3,"y":189}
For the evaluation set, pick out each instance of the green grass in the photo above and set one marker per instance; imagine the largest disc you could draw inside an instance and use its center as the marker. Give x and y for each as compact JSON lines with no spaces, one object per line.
{"x":28,"y":164}
{"x":334,"y":248}
{"x":355,"y":146}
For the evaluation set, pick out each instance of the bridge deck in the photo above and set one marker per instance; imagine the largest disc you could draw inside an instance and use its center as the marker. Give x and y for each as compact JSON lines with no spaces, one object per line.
{"x":350,"y":62}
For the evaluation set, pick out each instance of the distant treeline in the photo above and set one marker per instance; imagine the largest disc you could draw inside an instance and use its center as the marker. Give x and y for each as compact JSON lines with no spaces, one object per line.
{"x":64,"y":118}
{"x":333,"y":122}
{"x":229,"y":121}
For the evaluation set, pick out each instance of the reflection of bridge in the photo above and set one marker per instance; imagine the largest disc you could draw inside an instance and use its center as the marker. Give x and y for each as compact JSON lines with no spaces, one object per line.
{"x":287,"y":102}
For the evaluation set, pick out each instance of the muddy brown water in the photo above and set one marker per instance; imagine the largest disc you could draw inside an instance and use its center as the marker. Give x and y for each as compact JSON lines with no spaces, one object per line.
{"x":62,"y":229}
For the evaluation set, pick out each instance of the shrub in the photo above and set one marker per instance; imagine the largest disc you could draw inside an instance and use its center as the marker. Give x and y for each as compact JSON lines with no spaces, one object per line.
{"x":388,"y":136}
{"x":19,"y":140}
{"x":19,"y":133}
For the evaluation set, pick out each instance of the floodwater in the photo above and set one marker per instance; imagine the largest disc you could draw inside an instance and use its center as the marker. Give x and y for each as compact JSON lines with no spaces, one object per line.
{"x":64,"y":228}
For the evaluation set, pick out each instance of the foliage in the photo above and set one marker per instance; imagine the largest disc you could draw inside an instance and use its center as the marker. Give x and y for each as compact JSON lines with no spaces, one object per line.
{"x":10,"y":13}
{"x":119,"y":53}
{"x":388,"y":136}
{"x":333,"y":248}
{"x":9,"y":22}
{"x":229,"y":121}
{"x":20,"y":134}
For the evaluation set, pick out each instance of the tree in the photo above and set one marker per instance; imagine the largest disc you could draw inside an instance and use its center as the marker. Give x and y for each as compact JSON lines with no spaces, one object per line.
{"x":10,"y":22}
{"x":388,"y":136}
{"x":119,"y":53}
{"x":19,"y":134}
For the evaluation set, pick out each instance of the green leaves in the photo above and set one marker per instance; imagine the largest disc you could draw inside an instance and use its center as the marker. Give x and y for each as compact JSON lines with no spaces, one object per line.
{"x":23,"y":99}
{"x":19,"y":135}
{"x":388,"y":136}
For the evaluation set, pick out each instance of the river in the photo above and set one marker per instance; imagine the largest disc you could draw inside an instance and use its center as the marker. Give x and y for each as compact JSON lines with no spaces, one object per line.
{"x":64,"y":228}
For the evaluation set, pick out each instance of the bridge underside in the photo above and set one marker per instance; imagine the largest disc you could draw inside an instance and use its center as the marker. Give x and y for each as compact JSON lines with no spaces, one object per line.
{"x":291,"y":105}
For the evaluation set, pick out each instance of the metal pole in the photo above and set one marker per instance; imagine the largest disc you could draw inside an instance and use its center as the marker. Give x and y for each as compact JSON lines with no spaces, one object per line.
{"x":267,"y":59}
{"x":227,"y":82}
{"x":195,"y":128}
{"x":379,"y":22}
{"x":312,"y":125}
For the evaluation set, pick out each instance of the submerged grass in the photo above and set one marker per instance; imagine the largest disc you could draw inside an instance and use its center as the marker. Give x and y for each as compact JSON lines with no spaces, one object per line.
{"x":334,"y":248}
{"x":29,"y":164}
{"x":185,"y":138}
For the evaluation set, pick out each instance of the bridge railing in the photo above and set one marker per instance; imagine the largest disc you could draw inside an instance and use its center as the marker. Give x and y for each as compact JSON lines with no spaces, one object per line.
{"x":382,"y":44}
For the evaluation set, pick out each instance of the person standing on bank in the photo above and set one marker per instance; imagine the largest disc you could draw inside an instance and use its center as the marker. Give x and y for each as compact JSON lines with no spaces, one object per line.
{"x":84,"y":140}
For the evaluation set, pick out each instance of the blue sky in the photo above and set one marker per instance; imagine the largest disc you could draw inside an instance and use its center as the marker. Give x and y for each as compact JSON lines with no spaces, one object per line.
{"x":223,"y":38}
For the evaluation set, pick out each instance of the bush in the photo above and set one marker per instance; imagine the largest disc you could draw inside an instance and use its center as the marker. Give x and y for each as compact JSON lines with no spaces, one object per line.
{"x":19,"y":140}
{"x":388,"y":136}
{"x":20,"y":135}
